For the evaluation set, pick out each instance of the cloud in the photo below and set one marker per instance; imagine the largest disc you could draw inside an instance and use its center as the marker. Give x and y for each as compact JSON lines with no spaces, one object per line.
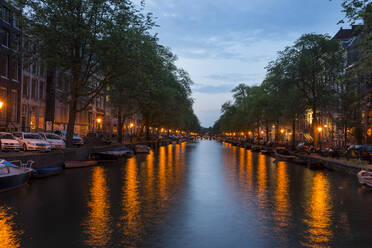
{"x":223,"y":43}
{"x":210,"y":89}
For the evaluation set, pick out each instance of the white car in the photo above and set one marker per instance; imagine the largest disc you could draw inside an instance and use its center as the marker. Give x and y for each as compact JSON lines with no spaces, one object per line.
{"x":9,"y":142}
{"x":32,"y":142}
{"x":54,"y":140}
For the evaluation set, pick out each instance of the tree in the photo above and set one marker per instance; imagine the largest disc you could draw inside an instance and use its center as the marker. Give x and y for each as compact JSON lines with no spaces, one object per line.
{"x":72,"y":37}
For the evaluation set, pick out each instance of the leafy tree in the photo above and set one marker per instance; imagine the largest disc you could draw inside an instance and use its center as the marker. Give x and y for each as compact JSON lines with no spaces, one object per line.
{"x":72,"y":36}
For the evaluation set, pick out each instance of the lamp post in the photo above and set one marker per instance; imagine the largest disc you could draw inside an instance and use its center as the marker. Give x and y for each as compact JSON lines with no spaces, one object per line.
{"x":131,"y":126}
{"x":99,"y":121}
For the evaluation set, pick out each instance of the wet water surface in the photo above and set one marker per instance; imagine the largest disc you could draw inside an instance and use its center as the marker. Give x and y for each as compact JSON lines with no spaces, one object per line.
{"x":190,"y":195}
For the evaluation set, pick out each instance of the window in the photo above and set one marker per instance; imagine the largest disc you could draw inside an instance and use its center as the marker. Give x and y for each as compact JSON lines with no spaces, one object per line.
{"x":14,"y":68}
{"x":17,"y":21}
{"x":25,"y":86}
{"x":42,"y":70}
{"x":34,"y":68}
{"x":14,"y":105}
{"x":6,"y":15}
{"x":34,"y":89}
{"x":41,"y":117}
{"x":16,"y":42}
{"x":4,"y":60}
{"x":41,"y":89}
{"x":4,"y":36}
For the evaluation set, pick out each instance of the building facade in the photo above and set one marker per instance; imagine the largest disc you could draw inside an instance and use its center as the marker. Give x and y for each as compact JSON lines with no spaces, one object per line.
{"x":10,"y":66}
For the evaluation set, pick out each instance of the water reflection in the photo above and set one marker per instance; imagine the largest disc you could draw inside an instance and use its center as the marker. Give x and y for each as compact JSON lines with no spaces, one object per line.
{"x":9,"y":237}
{"x":282,"y":211}
{"x":195,"y":195}
{"x":319,"y":214}
{"x":131,"y":220}
{"x":97,"y":225}
{"x":262,"y":181}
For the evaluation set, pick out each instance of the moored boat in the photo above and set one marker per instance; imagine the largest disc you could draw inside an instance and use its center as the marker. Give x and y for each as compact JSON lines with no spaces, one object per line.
{"x":365,"y":177}
{"x":115,"y":154}
{"x":282,"y":154}
{"x":256,"y":148}
{"x":12,"y":176}
{"x":80,"y":163}
{"x":142,"y":149}
{"x":46,"y":172}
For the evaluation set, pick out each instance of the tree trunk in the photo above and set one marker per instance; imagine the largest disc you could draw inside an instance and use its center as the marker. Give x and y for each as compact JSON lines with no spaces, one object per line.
{"x":345,"y":136}
{"x":277,"y":132}
{"x":140,"y":131}
{"x":120,"y":127}
{"x":314,"y":129}
{"x":147,"y":132}
{"x":71,"y":121}
{"x":294,"y":134}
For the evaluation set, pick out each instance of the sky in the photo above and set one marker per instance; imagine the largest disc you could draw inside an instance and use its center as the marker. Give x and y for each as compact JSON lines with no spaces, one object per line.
{"x":223,"y":43}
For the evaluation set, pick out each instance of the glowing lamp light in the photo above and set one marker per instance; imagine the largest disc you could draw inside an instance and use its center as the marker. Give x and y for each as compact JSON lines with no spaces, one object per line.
{"x":1,"y":104}
{"x":320,"y":129}
{"x":282,"y":130}
{"x":369,"y":132}
{"x":99,"y":120}
{"x":249,"y":132}
{"x":131,"y":125}
{"x":262,"y":132}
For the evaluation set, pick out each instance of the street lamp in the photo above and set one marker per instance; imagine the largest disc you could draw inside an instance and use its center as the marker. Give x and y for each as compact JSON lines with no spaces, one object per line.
{"x":131,"y":125}
{"x":320,"y":129}
{"x":99,"y":120}
{"x":1,"y":104}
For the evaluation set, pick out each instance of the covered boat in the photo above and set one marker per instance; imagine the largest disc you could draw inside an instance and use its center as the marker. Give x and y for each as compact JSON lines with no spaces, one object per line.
{"x":142,"y":149}
{"x":282,"y":154}
{"x":365,"y":177}
{"x":256,"y":148}
{"x":46,"y":172}
{"x":80,"y":163}
{"x":115,"y":154}
{"x":12,"y":176}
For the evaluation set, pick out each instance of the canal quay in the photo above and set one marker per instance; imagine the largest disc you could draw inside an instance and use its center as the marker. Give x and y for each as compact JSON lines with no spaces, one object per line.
{"x":203,"y":194}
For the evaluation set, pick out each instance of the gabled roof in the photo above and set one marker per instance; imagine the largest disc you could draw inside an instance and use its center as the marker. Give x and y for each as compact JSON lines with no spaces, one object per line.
{"x":345,"y":34}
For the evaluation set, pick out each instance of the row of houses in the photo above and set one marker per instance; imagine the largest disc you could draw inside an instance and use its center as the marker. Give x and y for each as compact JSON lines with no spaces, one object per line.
{"x":327,"y":131}
{"x":27,"y":102}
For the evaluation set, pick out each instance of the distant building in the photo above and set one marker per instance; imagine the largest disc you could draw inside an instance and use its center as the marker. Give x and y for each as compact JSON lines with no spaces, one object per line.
{"x":10,"y":66}
{"x":349,"y":39}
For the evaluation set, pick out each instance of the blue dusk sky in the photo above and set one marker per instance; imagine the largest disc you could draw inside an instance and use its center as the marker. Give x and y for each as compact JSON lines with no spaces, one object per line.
{"x":222,"y":43}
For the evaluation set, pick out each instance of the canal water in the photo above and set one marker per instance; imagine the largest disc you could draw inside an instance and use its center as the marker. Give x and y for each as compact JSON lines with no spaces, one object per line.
{"x":204,"y":194}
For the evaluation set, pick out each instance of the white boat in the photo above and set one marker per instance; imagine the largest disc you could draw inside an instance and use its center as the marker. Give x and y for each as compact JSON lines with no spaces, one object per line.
{"x":12,"y":176}
{"x":365,"y":177}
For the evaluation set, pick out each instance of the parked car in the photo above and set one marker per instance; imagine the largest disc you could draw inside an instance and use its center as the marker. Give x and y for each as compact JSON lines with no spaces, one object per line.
{"x":32,"y":142}
{"x":76,"y":139}
{"x":9,"y":142}
{"x":54,"y":140}
{"x":363,"y":152}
